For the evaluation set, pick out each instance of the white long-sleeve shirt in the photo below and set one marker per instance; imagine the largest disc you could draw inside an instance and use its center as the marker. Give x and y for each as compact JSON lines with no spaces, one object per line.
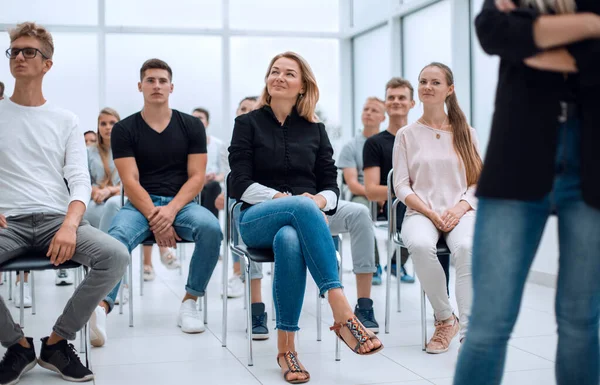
{"x":40,"y":148}
{"x":426,"y":164}
{"x":257,"y":193}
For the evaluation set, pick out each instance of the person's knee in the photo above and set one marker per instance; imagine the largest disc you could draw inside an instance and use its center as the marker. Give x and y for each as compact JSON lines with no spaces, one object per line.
{"x":303,"y":205}
{"x":211,"y":229}
{"x":118,"y":257}
{"x":113,"y":205}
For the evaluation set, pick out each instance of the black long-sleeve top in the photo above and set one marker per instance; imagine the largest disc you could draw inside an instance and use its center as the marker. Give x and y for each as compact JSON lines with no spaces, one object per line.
{"x":295,"y":157}
{"x":519,"y":162}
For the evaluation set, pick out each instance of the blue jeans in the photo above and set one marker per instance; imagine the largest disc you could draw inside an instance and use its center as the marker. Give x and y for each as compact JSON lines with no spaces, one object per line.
{"x":507,"y":235}
{"x":192,"y":223}
{"x":296,"y":230}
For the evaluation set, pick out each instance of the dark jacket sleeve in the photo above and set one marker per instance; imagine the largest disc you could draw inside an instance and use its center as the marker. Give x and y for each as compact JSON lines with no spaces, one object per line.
{"x":325,"y":169}
{"x":508,"y":35}
{"x":241,"y":157}
{"x":587,"y":57}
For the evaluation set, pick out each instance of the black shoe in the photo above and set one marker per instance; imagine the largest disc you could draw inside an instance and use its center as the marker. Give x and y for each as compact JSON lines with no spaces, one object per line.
{"x":16,"y":362}
{"x":63,"y":359}
{"x":365,"y":314}
{"x":260,"y":331}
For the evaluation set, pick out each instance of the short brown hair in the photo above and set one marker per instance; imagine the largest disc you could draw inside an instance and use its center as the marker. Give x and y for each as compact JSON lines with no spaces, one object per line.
{"x":203,"y":111}
{"x":376,"y":100}
{"x":37,"y":31}
{"x":1,"y":89}
{"x":155,"y":64}
{"x":398,"y":82}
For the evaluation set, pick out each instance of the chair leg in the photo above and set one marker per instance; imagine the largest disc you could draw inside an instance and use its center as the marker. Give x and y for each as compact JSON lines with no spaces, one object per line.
{"x":319,"y":315}
{"x":205,"y":308}
{"x":398,"y":277}
{"x":130,"y":271}
{"x":120,"y":293}
{"x":388,"y":283}
{"x":248,"y":312}
{"x":272,"y":299}
{"x":225,"y":299}
{"x":10,"y":286}
{"x":423,"y":319}
{"x":32,"y":279}
{"x":22,"y":305}
{"x":141,"y":270}
{"x":179,"y":254}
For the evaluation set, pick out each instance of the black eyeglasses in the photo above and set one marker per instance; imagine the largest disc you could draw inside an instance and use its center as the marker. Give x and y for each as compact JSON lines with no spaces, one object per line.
{"x":28,"y":53}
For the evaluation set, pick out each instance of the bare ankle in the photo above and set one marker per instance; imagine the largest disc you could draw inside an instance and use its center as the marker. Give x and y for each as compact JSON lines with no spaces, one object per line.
{"x":24,"y":343}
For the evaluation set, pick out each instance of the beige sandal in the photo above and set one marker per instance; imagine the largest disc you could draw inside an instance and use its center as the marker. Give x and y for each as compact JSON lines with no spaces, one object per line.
{"x":291,"y":359}
{"x":359,"y":332}
{"x":169,"y":259}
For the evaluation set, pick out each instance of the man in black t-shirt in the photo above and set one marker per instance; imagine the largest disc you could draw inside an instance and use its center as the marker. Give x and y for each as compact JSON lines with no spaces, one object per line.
{"x":378,"y":153}
{"x":160,"y":154}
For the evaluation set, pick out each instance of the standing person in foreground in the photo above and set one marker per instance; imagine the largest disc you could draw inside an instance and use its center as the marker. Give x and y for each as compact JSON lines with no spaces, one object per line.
{"x":160,"y":154}
{"x":41,"y":147}
{"x":542,"y":159}
{"x":282,"y":169}
{"x":436,"y":167}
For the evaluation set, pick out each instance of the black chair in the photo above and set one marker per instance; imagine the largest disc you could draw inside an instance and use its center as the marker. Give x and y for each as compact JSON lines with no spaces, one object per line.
{"x":36,"y":260}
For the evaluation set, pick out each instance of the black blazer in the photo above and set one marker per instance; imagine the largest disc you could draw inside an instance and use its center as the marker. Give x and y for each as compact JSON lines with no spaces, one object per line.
{"x":296,"y":157}
{"x":519,"y":162}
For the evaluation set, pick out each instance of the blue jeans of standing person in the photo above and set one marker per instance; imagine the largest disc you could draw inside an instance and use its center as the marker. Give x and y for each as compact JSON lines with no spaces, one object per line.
{"x":507,"y":235}
{"x":193,"y":223}
{"x":296,"y":230}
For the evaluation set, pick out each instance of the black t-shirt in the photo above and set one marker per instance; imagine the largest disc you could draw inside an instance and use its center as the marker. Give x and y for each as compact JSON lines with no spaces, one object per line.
{"x":377,"y":152}
{"x":161,"y":157}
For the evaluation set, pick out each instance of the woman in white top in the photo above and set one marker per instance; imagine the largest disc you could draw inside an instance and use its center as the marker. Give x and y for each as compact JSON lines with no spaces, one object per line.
{"x":436,"y":168}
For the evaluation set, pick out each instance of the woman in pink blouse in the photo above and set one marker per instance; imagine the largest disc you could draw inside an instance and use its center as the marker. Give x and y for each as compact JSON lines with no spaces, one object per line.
{"x":436,"y":168}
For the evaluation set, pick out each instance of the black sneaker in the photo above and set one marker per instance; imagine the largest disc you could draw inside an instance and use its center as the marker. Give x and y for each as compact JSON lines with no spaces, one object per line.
{"x":365,"y":314}
{"x":260,"y":331}
{"x":16,"y":362}
{"x":63,"y":359}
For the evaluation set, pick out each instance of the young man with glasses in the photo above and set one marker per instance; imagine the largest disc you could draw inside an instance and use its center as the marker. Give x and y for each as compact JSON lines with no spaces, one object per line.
{"x":41,"y":147}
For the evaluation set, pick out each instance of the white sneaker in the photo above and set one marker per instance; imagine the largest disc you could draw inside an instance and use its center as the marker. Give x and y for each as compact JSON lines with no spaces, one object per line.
{"x":63,"y":278}
{"x":189,"y":318}
{"x":125,"y":290}
{"x":235,"y":287}
{"x":26,"y":295}
{"x":98,"y":327}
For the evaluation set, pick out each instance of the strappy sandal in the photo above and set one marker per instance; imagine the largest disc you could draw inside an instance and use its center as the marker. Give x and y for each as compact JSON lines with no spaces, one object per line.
{"x":169,"y":259}
{"x":291,"y":359}
{"x":359,"y":332}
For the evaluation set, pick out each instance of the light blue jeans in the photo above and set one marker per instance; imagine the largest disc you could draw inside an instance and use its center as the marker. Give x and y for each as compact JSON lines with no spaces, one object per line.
{"x":101,"y":215}
{"x":193,"y":223}
{"x":296,"y":230}
{"x":507,"y":235}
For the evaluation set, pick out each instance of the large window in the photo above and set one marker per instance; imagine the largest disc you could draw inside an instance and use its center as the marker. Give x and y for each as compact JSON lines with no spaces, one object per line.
{"x":426,"y":38}
{"x":372,"y":69}
{"x":250,"y":58}
{"x":196,"y":65}
{"x":269,"y":15}
{"x":67,"y":12}
{"x":159,"y":13}
{"x":365,"y":12}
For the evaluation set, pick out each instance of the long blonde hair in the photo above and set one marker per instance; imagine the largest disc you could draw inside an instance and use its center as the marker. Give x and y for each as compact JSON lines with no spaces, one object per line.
{"x":104,"y":148}
{"x":462,"y":140}
{"x":558,"y":6}
{"x":307,"y":102}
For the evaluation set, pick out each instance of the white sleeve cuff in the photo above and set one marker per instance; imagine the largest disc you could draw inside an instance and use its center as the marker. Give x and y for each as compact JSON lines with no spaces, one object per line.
{"x":331,"y":199}
{"x":257,"y":193}
{"x":82,"y":193}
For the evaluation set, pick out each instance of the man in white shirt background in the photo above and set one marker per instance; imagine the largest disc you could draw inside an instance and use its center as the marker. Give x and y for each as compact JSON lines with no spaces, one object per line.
{"x":41,"y":147}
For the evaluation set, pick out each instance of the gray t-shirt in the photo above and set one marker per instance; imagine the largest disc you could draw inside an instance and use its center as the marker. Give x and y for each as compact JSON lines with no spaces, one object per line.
{"x":352,"y":156}
{"x":97,"y":168}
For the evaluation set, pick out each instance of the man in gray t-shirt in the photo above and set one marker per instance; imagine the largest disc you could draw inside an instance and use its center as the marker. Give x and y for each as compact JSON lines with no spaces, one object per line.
{"x":351,"y":157}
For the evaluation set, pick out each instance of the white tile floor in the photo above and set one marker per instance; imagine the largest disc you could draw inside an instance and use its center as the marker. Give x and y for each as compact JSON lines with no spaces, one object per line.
{"x":155,"y":351}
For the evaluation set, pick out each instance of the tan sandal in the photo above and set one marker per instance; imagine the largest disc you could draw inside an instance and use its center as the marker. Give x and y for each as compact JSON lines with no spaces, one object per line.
{"x":291,"y":359}
{"x":359,"y":332}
